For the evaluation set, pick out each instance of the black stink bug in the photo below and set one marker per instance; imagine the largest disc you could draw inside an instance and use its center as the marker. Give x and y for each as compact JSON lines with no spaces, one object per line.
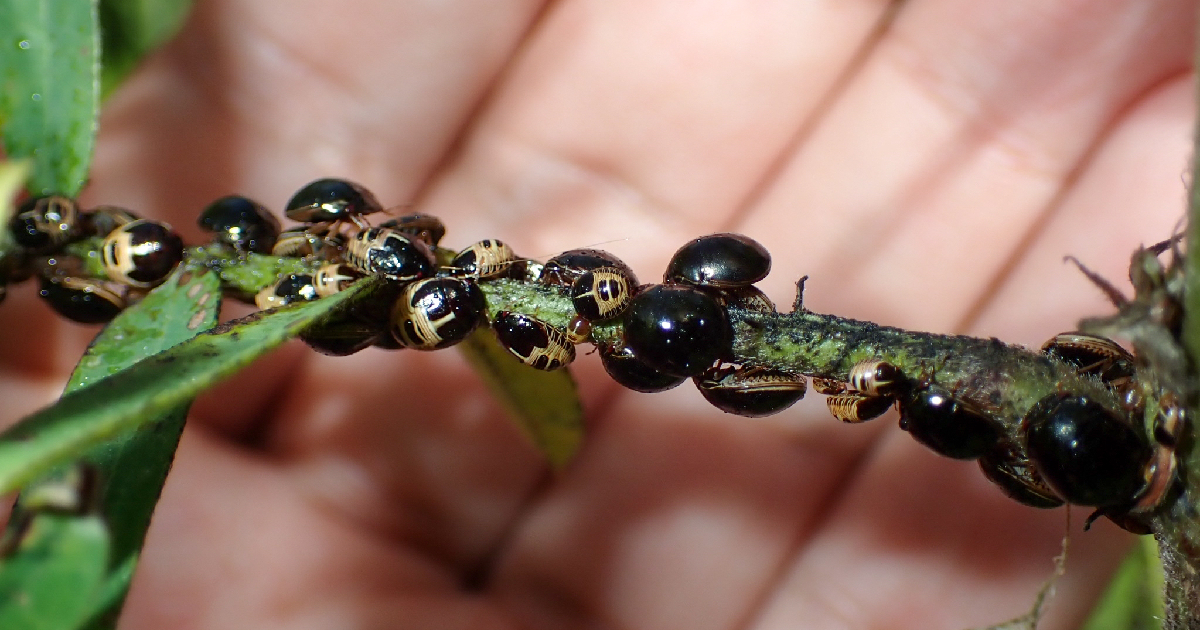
{"x":83,"y":300}
{"x":386,"y":252}
{"x":853,"y":408}
{"x":949,"y":426}
{"x":828,"y":386}
{"x":241,"y":223}
{"x":677,"y":329}
{"x":426,"y":227}
{"x":1091,"y":354}
{"x":632,"y":373}
{"x":296,"y":287}
{"x":142,"y":253}
{"x":489,"y":258}
{"x":43,"y":224}
{"x":751,"y":392}
{"x":298,"y":242}
{"x":1087,"y":454}
{"x":748,"y":298}
{"x":578,"y":330}
{"x":533,"y":341}
{"x":436,"y":313}
{"x":326,"y":200}
{"x":334,"y":278}
{"x":719,"y":260}
{"x":875,"y":378}
{"x":602,"y":293}
{"x":563,"y":269}
{"x":1017,"y":478}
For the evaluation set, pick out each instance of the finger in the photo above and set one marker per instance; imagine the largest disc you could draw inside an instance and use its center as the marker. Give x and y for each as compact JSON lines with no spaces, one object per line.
{"x":623,"y":120}
{"x":961,"y":131}
{"x":613,"y":584}
{"x":235,"y":544}
{"x":568,"y":59}
{"x":1130,"y":193}
{"x":930,"y":541}
{"x":261,"y":97}
{"x":258,"y":98}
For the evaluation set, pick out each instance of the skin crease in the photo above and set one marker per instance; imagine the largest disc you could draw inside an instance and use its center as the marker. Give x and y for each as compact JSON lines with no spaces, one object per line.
{"x":927,"y":164}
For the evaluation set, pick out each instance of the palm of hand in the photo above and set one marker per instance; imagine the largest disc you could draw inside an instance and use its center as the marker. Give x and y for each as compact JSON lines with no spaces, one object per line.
{"x":927,"y":175}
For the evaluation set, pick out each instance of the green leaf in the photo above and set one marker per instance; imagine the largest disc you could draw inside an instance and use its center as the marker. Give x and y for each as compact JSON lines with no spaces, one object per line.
{"x":12,"y":178}
{"x":49,"y":88}
{"x":545,"y":404}
{"x":133,"y":468}
{"x":131,"y":29}
{"x":110,"y":407}
{"x":56,"y":576}
{"x":1133,"y":600}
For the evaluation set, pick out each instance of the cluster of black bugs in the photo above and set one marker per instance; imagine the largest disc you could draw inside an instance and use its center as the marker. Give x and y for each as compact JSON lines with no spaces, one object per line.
{"x":680,"y":329}
{"x":673,"y":331}
{"x":137,"y":254}
{"x":1072,"y":449}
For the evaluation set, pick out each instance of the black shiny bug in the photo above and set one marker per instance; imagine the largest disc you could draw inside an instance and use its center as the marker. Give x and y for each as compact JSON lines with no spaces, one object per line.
{"x":949,"y":426}
{"x":602,"y":293}
{"x":299,"y":242}
{"x":748,"y":298}
{"x":563,"y":269}
{"x":242,"y":223}
{"x":853,"y":408}
{"x":828,"y":386}
{"x":875,"y":378}
{"x":334,"y":278}
{"x":328,"y":200}
{"x":386,"y":252}
{"x":751,"y":392}
{"x":533,"y":341}
{"x":296,"y":287}
{"x":1091,"y":354}
{"x":43,"y":224}
{"x":436,"y":313}
{"x":719,"y":260}
{"x":578,"y":330}
{"x":426,"y":227}
{"x":677,"y":329}
{"x":83,"y":300}
{"x":632,"y":373}
{"x":142,"y":253}
{"x":1017,"y":478}
{"x":486,"y":259}
{"x":1084,"y":452}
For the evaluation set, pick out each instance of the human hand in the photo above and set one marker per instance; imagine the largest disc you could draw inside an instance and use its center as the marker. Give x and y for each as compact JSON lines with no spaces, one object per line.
{"x":927,"y":172}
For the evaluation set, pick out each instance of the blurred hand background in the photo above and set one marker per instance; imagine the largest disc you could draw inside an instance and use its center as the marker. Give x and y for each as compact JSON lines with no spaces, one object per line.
{"x":927,"y":163}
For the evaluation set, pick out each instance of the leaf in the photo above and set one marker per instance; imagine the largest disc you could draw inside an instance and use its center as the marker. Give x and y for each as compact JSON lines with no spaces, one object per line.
{"x":49,"y":88}
{"x":131,"y":29}
{"x":133,"y":468}
{"x":12,"y":178}
{"x":112,"y":406}
{"x":57,"y":575}
{"x":545,"y":404}
{"x":1133,"y":600}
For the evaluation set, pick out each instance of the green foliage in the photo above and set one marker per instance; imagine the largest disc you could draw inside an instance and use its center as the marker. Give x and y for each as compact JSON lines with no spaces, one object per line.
{"x":12,"y":178}
{"x":49,"y":88}
{"x":131,"y":29}
{"x":114,"y":406}
{"x":545,"y":404}
{"x":56,"y":578}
